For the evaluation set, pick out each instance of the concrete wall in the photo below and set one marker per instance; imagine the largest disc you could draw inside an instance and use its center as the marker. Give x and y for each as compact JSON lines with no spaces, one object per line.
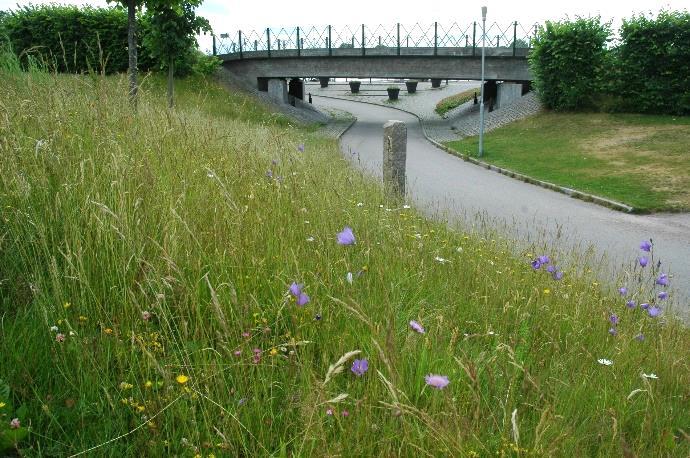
{"x":504,"y":68}
{"x":277,"y":90}
{"x":507,"y":93}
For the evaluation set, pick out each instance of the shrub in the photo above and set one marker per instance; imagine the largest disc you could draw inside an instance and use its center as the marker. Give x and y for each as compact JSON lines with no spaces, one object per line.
{"x":653,"y":63}
{"x":74,"y":39}
{"x":568,"y":60}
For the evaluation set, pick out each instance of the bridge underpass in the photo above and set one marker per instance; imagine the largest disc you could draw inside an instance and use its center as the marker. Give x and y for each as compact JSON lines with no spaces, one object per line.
{"x":267,"y":60}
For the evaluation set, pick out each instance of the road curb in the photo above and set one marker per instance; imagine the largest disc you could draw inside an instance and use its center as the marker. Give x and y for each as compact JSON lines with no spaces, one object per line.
{"x":604,"y":202}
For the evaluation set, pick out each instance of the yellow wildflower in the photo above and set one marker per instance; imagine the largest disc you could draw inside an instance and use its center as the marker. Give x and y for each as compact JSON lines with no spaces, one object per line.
{"x":126,"y":386}
{"x":547,"y":291}
{"x":66,"y":305}
{"x":2,"y":404}
{"x":148,"y":384}
{"x":273,"y":352}
{"x":82,"y":318}
{"x":108,"y":331}
{"x":182,"y":379}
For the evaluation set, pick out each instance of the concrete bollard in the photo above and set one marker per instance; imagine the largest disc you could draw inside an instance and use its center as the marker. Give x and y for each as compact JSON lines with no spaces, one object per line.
{"x":394,"y":156}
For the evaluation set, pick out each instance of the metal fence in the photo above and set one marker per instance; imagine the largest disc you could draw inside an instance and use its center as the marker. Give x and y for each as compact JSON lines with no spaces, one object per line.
{"x":397,"y":39}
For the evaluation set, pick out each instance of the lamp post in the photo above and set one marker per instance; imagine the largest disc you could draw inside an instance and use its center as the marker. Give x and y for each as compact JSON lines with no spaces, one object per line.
{"x":481,"y":103}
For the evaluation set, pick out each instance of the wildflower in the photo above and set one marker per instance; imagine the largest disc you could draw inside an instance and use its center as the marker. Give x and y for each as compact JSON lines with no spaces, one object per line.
{"x":60,"y":338}
{"x":558,"y":275}
{"x":652,"y":376}
{"x":210,"y":174}
{"x":15,"y":423}
{"x":416,"y":326}
{"x":346,"y":236}
{"x":146,"y":315}
{"x":329,"y":411}
{"x":54,"y":328}
{"x":273,"y":352}
{"x":643,"y":261}
{"x":182,"y":379}
{"x":437,"y":381}
{"x":536,"y":264}
{"x":310,"y":239}
{"x":269,"y":173}
{"x":348,"y":277}
{"x":360,"y":204}
{"x":300,"y":147}
{"x":623,"y":291}
{"x":108,"y":331}
{"x":360,"y":366}
{"x":66,"y":305}
{"x":644,"y":306}
{"x":662,"y":280}
{"x":83,"y":319}
{"x":613,"y":319}
{"x":639,"y":337}
{"x":441,"y":260}
{"x":300,"y":297}
{"x":630,"y":304}
{"x":406,"y":207}
{"x":2,"y":404}
{"x":613,"y":331}
{"x":654,"y":311}
{"x":605,"y":362}
{"x":346,"y":413}
{"x":646,"y":246}
{"x":662,"y":295}
{"x":237,"y":352}
{"x":547,"y":291}
{"x":543,"y":260}
{"x":246,"y":334}
{"x":551,"y":269}
{"x":148,"y":384}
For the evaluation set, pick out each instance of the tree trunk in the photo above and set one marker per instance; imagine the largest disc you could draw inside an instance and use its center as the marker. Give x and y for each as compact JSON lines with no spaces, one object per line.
{"x":171,"y":88}
{"x":132,"y":48}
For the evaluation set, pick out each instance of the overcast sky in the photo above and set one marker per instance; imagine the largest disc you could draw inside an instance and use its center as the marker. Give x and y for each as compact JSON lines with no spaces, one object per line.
{"x":228,"y":16}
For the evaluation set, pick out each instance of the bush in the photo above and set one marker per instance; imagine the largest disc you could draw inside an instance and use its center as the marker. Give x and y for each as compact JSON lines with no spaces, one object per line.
{"x":568,"y":61}
{"x":653,"y":63}
{"x":79,"y":40}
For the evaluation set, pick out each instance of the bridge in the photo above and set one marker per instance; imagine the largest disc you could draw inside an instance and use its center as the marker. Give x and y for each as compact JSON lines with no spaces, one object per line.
{"x":271,"y":57}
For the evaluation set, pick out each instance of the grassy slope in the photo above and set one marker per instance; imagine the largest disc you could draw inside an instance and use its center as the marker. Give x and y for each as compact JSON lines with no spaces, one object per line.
{"x":172,"y":213}
{"x":640,"y":160}
{"x":454,"y":101}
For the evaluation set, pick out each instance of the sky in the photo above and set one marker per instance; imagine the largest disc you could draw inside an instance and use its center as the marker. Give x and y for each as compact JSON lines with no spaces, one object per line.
{"x":230,"y":16}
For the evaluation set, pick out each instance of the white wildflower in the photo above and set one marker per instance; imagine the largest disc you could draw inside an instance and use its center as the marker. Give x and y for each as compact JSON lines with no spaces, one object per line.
{"x":605,"y":362}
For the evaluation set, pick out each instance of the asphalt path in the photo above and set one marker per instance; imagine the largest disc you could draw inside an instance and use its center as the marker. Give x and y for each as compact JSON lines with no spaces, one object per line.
{"x":441,"y":184}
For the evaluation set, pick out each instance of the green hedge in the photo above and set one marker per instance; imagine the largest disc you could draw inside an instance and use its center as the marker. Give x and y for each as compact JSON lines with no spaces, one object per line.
{"x":74,"y":39}
{"x":653,"y":63}
{"x":567,"y":61}
{"x":68,"y":37}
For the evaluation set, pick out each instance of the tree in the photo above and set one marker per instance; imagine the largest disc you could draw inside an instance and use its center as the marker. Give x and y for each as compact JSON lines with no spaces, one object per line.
{"x":174,"y":25}
{"x":131,"y":6}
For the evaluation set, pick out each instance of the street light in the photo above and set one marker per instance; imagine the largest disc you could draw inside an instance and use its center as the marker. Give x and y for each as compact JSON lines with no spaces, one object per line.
{"x":481,"y":103}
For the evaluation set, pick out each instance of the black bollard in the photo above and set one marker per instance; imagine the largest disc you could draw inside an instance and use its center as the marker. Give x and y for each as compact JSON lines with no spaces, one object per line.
{"x":475,"y":98}
{"x":310,"y":97}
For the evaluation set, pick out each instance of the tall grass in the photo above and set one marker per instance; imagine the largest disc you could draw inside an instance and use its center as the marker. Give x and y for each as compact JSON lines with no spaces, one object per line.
{"x":162,"y":247}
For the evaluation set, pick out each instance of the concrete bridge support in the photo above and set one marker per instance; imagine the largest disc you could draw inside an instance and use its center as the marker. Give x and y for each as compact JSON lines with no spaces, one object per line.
{"x":507,"y":93}
{"x":277,"y":90}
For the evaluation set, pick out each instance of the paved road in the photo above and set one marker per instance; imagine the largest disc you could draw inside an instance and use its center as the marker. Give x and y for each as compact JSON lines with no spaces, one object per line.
{"x":444,"y":183}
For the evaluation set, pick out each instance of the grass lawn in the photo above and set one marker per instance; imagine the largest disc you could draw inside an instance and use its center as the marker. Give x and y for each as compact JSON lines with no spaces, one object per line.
{"x":171,"y":284}
{"x":454,"y":101}
{"x":639,"y":160}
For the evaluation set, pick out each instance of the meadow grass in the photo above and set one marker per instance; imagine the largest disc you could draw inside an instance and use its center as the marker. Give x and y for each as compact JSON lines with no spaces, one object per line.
{"x":162,"y":247}
{"x":640,"y":160}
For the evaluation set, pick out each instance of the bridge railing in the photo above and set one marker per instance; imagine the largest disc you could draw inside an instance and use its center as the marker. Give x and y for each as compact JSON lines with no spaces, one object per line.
{"x":364,"y":40}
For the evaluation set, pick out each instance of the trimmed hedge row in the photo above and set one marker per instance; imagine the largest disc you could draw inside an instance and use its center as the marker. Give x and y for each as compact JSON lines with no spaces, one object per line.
{"x":567,"y":62}
{"x":647,"y":72}
{"x":82,"y":39}
{"x":654,"y":64}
